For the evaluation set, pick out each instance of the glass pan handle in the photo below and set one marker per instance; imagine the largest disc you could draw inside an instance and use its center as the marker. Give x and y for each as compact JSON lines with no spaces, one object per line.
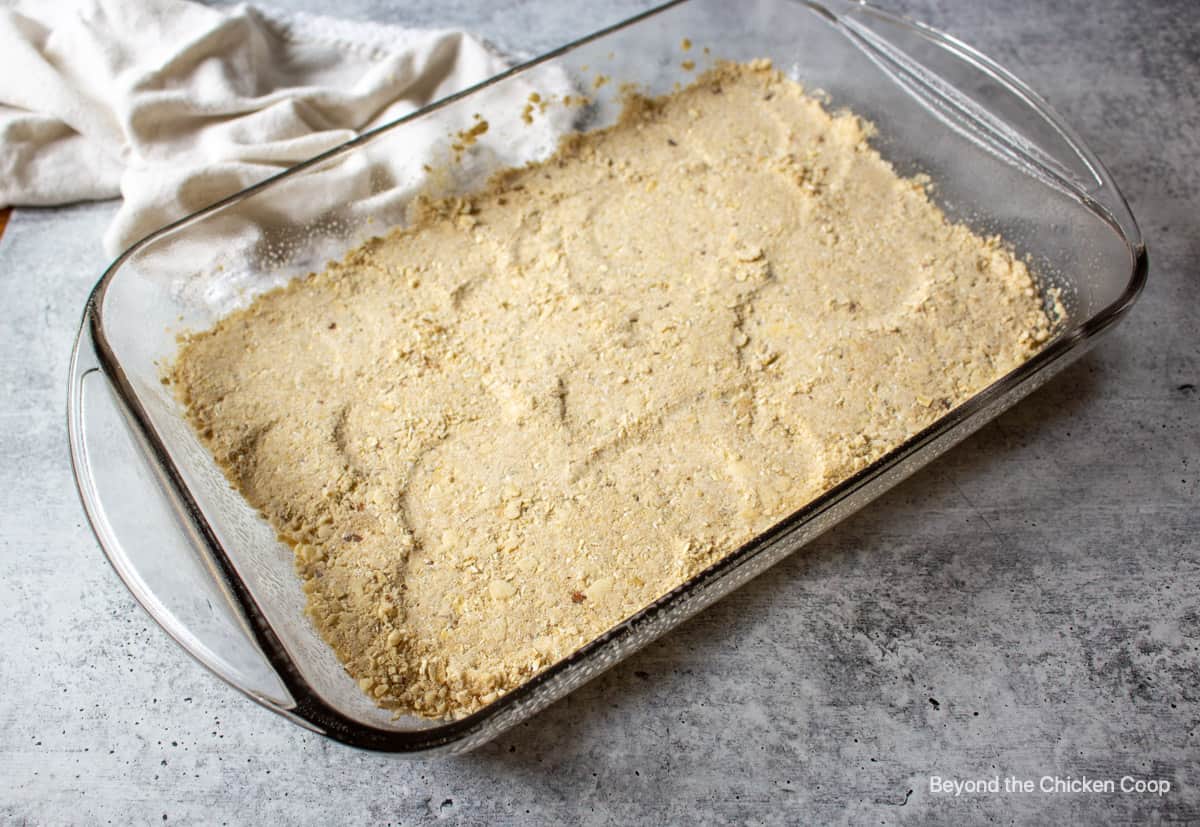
{"x":975,"y":96}
{"x":148,"y":542}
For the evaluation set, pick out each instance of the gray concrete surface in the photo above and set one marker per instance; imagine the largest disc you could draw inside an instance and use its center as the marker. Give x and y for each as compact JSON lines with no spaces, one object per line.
{"x":1027,"y":606}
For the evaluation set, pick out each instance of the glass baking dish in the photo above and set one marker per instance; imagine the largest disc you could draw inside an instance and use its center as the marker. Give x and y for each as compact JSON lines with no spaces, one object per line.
{"x":210,"y":570}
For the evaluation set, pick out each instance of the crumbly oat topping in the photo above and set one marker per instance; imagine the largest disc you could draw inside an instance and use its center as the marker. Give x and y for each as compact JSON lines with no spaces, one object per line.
{"x":493,"y":435}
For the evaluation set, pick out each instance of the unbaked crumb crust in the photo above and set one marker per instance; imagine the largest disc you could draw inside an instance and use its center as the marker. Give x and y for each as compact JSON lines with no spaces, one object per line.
{"x":495,"y":434}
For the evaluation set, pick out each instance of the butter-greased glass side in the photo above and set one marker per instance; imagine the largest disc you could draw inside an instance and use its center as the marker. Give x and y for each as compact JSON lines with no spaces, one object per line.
{"x":210,"y":570}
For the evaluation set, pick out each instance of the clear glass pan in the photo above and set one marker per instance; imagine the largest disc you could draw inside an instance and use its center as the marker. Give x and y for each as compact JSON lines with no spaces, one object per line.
{"x":211,"y":571}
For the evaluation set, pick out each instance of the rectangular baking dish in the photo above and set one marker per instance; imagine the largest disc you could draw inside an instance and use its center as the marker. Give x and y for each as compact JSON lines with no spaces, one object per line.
{"x":210,"y":570}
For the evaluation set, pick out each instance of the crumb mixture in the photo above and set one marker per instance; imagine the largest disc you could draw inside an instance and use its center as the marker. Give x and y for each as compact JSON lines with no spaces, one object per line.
{"x":494,"y":434}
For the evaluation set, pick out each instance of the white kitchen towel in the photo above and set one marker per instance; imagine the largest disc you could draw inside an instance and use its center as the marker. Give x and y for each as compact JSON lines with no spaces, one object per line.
{"x":172,"y":105}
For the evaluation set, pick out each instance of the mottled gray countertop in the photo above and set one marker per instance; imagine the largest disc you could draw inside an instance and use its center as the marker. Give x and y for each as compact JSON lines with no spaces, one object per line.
{"x":1026,"y":606}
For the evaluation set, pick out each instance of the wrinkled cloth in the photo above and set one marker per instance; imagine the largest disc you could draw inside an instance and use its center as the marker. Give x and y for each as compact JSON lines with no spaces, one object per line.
{"x":171,"y":105}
